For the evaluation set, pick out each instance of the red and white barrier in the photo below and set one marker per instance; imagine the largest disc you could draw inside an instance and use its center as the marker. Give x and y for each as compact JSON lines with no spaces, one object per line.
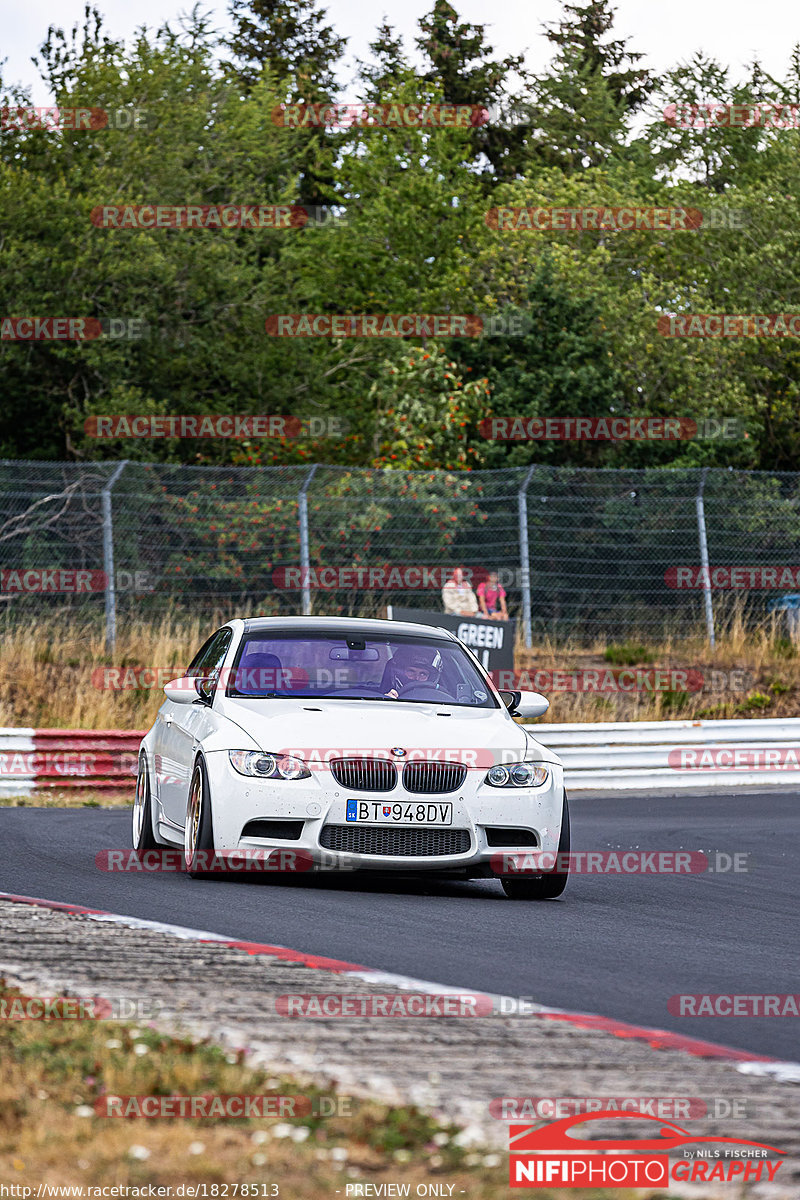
{"x":101,"y":759}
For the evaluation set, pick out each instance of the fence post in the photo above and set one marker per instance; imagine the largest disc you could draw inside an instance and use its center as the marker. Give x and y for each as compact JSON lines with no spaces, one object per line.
{"x":108,"y":559}
{"x":701,"y":533}
{"x":522,"y":509}
{"x":305,"y":565}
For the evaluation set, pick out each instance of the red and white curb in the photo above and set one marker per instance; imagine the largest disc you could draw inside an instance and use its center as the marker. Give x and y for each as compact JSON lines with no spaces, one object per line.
{"x":658,"y":1039}
{"x":31,"y":759}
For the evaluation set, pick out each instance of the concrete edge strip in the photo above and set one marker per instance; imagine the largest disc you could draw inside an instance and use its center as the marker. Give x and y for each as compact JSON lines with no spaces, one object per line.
{"x":658,"y":1039}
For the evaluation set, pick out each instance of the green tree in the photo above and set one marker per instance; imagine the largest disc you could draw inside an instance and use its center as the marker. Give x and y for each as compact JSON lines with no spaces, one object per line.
{"x":583,"y":29}
{"x":461,"y":64}
{"x":632,"y":278}
{"x":292,"y":40}
{"x":203,"y":295}
{"x":583,"y":102}
{"x":561,"y":365}
{"x":683,"y":138}
{"x":426,"y":412}
{"x":388,"y":68}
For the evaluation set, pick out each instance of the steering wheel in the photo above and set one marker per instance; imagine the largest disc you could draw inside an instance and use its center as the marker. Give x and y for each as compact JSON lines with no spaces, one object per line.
{"x":426,"y":691}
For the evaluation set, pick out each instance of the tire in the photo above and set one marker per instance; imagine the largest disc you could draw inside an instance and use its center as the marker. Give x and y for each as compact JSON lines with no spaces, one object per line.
{"x":142,"y":822}
{"x":198,"y":837}
{"x":543,"y":887}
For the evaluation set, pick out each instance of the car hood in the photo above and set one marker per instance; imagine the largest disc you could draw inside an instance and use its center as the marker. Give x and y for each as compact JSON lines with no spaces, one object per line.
{"x":320,"y":729}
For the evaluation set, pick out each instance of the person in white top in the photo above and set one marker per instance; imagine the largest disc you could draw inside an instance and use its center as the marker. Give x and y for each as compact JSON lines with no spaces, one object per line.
{"x":458,"y":598}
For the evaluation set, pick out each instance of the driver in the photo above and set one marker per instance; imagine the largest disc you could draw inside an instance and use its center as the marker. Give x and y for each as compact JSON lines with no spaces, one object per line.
{"x":412,"y":666}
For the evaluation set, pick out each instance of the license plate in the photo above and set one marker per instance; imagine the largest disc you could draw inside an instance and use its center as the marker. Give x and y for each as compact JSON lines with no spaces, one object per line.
{"x":375,"y":812}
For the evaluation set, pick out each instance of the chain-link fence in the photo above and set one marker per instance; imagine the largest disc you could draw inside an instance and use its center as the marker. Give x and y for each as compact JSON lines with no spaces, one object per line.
{"x":580,"y":553}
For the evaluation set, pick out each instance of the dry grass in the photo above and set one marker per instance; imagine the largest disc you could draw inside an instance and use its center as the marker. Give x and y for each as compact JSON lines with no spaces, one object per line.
{"x":49,"y":672}
{"x":750,"y":672}
{"x":55,"y":1072}
{"x":72,"y":798}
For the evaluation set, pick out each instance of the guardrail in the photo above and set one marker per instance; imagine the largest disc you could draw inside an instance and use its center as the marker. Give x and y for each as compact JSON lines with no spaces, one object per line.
{"x":675,"y":754}
{"x":622,"y":755}
{"x":97,"y":759}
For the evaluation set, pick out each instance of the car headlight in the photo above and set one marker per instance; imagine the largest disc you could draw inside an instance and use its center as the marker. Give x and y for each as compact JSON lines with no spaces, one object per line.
{"x":518,"y":775}
{"x":263,"y":765}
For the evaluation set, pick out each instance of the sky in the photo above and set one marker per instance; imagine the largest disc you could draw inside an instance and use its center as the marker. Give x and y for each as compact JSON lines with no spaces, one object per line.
{"x":732,"y":31}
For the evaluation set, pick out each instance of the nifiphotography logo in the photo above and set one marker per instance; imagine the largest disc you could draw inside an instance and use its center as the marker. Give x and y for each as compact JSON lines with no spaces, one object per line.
{"x":547,"y":1156}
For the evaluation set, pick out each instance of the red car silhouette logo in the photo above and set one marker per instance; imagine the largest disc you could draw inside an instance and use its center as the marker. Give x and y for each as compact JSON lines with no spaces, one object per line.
{"x":549,"y":1139}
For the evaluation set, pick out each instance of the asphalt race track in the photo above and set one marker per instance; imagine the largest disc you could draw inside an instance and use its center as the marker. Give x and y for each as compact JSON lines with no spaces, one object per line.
{"x":614,"y":945}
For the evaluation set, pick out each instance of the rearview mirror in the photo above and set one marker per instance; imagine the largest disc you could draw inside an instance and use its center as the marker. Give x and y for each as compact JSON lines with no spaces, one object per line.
{"x":353,"y":654}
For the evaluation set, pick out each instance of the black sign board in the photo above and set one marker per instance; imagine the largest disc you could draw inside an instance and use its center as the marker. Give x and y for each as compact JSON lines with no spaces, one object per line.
{"x":492,"y":642}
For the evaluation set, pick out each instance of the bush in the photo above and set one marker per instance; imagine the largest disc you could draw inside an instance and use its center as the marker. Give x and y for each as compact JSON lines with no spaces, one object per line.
{"x":627,"y":655}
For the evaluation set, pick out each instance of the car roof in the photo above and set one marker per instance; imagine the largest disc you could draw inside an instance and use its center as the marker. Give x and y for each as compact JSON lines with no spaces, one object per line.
{"x":344,"y":626}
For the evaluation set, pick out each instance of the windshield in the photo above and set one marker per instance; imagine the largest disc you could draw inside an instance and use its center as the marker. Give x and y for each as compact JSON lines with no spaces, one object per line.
{"x":394,"y":669}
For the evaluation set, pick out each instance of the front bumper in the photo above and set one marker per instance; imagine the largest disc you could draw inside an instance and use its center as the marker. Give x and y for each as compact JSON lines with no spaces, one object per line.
{"x":321,"y":802}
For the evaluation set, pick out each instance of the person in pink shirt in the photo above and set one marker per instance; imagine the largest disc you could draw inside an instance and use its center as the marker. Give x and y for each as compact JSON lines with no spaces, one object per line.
{"x":492,"y":598}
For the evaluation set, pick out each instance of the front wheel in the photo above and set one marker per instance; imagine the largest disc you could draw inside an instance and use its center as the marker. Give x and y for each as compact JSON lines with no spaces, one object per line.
{"x":143,"y":837}
{"x":198,"y":836}
{"x":551,"y":885}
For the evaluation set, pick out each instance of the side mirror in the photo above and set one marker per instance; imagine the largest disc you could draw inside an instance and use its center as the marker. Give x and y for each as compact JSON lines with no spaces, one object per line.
{"x":532,"y":704}
{"x":511,"y":700}
{"x":188,"y":689}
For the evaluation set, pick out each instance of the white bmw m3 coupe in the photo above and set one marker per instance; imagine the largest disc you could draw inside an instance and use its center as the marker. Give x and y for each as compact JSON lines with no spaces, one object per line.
{"x":353,"y":744}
